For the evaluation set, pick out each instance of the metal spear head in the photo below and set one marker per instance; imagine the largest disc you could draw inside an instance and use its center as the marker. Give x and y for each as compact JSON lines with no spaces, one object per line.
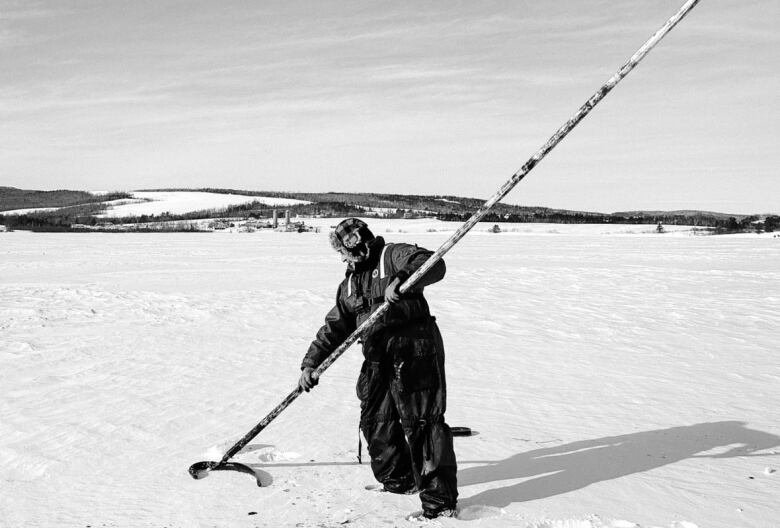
{"x":201,"y":470}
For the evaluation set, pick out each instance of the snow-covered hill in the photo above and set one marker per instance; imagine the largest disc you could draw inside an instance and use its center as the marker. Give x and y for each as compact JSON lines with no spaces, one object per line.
{"x":172,"y":202}
{"x":181,"y":202}
{"x":614,"y":381}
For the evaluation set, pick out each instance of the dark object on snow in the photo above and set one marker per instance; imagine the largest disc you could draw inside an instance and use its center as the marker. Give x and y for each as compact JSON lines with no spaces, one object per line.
{"x":200,"y":470}
{"x":461,"y":431}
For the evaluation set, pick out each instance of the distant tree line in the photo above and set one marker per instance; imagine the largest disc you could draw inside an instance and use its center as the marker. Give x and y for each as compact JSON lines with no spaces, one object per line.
{"x":13,"y":198}
{"x":333,"y":204}
{"x":59,"y":220}
{"x":749,"y":223}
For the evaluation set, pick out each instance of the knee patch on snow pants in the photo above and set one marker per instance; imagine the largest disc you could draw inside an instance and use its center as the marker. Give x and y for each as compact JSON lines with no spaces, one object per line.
{"x":402,"y":393}
{"x":407,"y":363}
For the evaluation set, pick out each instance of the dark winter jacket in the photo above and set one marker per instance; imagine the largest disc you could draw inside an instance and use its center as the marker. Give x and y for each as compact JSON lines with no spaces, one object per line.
{"x":362,"y":292}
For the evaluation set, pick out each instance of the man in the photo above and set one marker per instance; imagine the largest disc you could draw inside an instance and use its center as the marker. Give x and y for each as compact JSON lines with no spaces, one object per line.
{"x":401,"y":387}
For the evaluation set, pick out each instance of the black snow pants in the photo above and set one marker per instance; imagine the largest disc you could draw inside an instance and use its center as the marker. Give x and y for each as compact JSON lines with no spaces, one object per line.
{"x":402,"y":391}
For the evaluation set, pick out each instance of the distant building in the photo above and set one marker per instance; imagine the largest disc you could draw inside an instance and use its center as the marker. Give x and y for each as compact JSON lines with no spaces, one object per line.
{"x":297,"y":227}
{"x":219,"y":224}
{"x":257,"y":224}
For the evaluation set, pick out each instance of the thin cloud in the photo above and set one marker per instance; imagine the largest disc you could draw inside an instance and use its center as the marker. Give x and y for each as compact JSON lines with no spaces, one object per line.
{"x":24,"y":11}
{"x":408,"y":72}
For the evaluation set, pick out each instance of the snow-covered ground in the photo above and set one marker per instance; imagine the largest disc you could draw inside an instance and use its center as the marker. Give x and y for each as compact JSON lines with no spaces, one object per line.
{"x":614,"y":381}
{"x":181,"y":202}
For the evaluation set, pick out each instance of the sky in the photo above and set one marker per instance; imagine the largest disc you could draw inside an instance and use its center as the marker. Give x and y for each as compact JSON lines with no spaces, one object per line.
{"x":439,"y":97}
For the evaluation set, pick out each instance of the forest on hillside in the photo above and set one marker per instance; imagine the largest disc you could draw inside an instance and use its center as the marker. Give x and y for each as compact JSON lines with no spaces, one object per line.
{"x":13,"y":198}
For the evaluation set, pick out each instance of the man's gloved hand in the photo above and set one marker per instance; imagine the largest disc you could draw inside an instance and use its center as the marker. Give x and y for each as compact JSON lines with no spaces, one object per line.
{"x":308,"y":379}
{"x":392,"y":295}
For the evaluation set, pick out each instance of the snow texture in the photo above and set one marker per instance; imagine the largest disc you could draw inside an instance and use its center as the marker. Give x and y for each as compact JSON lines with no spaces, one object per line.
{"x":612,"y":380}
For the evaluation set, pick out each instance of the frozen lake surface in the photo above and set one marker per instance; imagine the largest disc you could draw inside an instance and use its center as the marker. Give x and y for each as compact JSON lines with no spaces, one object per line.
{"x":614,"y":380}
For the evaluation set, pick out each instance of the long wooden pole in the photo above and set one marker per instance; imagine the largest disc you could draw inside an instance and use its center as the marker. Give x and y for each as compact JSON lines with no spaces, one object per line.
{"x":515,"y":179}
{"x":476,"y":217}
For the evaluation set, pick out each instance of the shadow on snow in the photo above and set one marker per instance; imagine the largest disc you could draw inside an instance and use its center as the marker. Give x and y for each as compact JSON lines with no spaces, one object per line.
{"x":561,"y":469}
